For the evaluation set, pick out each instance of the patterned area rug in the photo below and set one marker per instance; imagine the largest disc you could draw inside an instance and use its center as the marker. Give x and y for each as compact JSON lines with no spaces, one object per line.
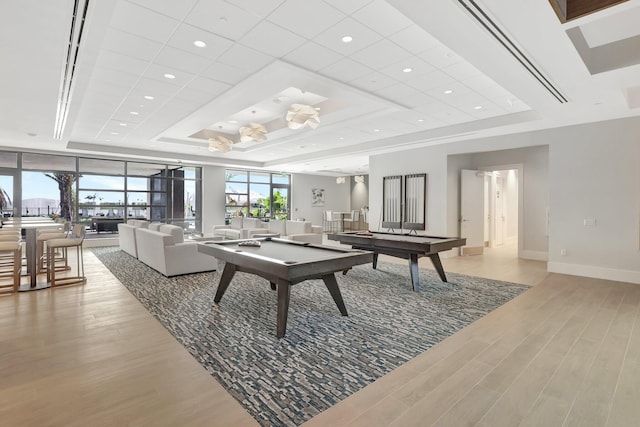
{"x":324,"y":357}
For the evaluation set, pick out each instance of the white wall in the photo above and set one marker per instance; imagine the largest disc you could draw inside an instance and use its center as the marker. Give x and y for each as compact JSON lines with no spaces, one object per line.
{"x":359,"y":193}
{"x":336,"y":196}
{"x":593,"y":172}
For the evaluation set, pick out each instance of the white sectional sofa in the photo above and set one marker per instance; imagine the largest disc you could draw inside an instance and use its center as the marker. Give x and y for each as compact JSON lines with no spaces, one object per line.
{"x":238,"y":228}
{"x":127,"y":235}
{"x":301,"y":231}
{"x":166,"y":251}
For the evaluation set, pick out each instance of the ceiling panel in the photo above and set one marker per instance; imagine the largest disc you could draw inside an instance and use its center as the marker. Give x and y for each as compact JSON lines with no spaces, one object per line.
{"x":272,"y":39}
{"x":414,"y":39}
{"x":131,"y":45}
{"x":346,"y":70}
{"x":176,"y":9}
{"x":312,"y":56}
{"x":306,"y":18}
{"x":128,"y":17}
{"x":185,"y":35}
{"x":380,"y":16}
{"x":222,"y":18}
{"x":372,"y":56}
{"x":361,"y":34}
{"x":182,"y":60}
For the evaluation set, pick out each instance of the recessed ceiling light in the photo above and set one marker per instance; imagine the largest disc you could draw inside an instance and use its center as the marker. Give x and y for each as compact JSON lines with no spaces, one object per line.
{"x":123,"y":124}
{"x":199,"y":43}
{"x":169,"y":76}
{"x":114,"y":133}
{"x":347,"y":39}
{"x":341,"y":138}
{"x":133,"y":113}
{"x":448,"y":91}
{"x":478,"y":107}
{"x":233,"y":122}
{"x":376,"y":130}
{"x":149,"y":97}
{"x":407,"y":70}
{"x":420,"y":120}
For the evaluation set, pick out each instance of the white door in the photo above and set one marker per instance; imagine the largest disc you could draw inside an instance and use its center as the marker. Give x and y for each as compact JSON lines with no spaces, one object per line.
{"x":472,"y":211}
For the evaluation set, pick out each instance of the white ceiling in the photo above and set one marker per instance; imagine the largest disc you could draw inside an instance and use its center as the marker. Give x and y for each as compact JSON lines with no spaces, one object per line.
{"x":256,"y":49}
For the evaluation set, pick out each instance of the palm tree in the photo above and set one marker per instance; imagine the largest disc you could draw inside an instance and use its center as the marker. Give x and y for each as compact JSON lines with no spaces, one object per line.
{"x":5,"y":200}
{"x":65,"y":182}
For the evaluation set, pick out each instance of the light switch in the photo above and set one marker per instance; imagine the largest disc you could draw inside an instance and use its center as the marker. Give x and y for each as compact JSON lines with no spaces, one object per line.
{"x":590,"y":222}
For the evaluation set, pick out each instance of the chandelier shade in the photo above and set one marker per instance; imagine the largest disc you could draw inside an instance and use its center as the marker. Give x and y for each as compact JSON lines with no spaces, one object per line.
{"x":299,"y":116}
{"x":253,"y":132}
{"x":220,"y":143}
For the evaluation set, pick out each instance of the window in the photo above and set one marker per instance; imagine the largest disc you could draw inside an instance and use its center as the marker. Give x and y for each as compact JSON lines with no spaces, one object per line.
{"x":262,"y":195}
{"x":92,"y":187}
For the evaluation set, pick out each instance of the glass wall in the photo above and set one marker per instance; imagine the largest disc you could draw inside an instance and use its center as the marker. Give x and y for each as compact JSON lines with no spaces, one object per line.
{"x":262,"y":195}
{"x":83,"y":189}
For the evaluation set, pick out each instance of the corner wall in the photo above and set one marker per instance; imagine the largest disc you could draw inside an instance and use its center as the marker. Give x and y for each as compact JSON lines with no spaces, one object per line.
{"x":593,"y":173}
{"x":336,"y":197}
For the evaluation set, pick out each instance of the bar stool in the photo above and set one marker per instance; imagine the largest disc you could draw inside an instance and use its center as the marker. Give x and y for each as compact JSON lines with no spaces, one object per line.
{"x":12,"y":269}
{"x":8,"y":236}
{"x":73,"y":240}
{"x":45,"y":235}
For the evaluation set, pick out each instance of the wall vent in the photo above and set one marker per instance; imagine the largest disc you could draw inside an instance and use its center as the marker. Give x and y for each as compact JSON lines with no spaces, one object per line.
{"x":479,"y":15}
{"x":70,"y":62}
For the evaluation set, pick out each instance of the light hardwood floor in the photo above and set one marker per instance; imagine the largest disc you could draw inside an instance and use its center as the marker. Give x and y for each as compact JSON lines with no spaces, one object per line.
{"x":566,"y":352}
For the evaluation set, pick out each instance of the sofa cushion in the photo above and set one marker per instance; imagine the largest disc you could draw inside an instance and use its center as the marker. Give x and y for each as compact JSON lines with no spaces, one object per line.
{"x":173,"y":230}
{"x":278,"y":227}
{"x":138,"y":223}
{"x":298,"y":227}
{"x":236,"y":222}
{"x":251,"y":223}
{"x":155,"y":226}
{"x":229,"y":232}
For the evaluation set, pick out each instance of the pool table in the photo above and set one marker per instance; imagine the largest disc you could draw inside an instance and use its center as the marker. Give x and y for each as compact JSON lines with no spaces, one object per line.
{"x":409,"y":246}
{"x":284,"y":263}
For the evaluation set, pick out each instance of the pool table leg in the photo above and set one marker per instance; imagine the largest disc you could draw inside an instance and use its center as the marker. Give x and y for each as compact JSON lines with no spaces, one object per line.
{"x":283,"y":308}
{"x":332,"y":285}
{"x":227,"y":274}
{"x":414,"y":270}
{"x":375,"y":260}
{"x":435,"y":259}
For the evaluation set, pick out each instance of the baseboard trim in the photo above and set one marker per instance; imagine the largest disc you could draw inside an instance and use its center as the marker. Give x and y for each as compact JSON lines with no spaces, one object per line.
{"x":472,"y":250}
{"x":534,"y":255}
{"x":628,"y":276}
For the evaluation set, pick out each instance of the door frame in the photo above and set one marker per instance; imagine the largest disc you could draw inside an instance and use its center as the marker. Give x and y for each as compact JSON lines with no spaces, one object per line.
{"x":520,"y":168}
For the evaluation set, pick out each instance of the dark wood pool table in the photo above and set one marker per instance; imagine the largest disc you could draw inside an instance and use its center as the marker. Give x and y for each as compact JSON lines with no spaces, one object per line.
{"x":284,"y":263}
{"x":409,"y":246}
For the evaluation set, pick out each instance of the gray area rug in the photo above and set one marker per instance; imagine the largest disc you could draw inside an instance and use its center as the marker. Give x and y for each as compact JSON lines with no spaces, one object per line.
{"x":324,"y":357}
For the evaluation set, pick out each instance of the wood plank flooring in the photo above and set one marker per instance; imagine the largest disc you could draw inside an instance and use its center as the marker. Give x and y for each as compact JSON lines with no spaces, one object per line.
{"x":565,"y":353}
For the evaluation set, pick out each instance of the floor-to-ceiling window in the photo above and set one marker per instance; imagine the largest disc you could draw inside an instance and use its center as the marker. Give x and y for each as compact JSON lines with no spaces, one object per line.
{"x":262,"y":195}
{"x":83,"y":189}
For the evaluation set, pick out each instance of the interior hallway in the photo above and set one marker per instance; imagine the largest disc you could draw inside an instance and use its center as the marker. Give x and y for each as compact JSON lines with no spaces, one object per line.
{"x":566,"y":352}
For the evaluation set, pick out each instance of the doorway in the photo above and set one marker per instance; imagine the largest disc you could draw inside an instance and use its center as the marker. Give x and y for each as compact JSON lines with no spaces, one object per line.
{"x":491,"y":209}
